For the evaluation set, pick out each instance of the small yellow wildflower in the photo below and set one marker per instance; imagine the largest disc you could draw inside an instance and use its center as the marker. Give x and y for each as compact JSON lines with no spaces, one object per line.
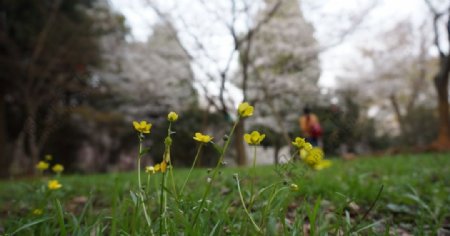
{"x":254,"y":138}
{"x":150,"y":170}
{"x":157,"y":167}
{"x":245,"y":110}
{"x":37,"y":212}
{"x":48,"y":157}
{"x":307,"y":147}
{"x":142,"y":127}
{"x":54,"y":184}
{"x":172,"y":116}
{"x":163,"y":166}
{"x":322,"y":164}
{"x":314,"y":156}
{"x":299,"y":142}
{"x":303,"y":153}
{"x":294,"y":187}
{"x":202,"y":138}
{"x":58,"y":168}
{"x":42,"y":165}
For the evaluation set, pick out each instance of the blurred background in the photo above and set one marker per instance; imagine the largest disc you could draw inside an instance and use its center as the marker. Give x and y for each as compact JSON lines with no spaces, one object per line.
{"x":74,"y":74}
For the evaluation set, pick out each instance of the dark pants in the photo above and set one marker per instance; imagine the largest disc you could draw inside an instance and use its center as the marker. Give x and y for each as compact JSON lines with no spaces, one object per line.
{"x":314,"y":141}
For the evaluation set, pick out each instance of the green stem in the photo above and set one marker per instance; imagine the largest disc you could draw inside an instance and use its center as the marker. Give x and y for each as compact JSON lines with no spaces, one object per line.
{"x":253,"y":178}
{"x":169,"y":134}
{"x":216,"y":170}
{"x":147,"y":218}
{"x":162,"y":205}
{"x":139,"y":164}
{"x":192,"y":167}
{"x":147,"y":186}
{"x":245,"y":208}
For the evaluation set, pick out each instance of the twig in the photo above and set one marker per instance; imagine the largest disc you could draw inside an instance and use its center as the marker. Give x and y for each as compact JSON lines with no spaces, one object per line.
{"x":368,"y":210}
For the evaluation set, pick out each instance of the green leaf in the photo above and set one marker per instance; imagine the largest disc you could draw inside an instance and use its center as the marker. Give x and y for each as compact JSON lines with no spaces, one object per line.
{"x":60,"y":212}
{"x":133,"y":197}
{"x":144,"y":151}
{"x":30,"y":224}
{"x":213,"y":231}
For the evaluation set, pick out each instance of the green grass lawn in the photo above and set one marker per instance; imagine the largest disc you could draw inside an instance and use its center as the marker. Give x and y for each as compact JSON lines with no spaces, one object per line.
{"x":415,"y":198}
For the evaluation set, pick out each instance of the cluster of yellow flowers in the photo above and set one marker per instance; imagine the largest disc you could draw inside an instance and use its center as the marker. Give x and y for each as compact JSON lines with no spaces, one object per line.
{"x":312,"y":156}
{"x":43,"y":165}
{"x":161,"y":167}
{"x":143,"y":127}
{"x":52,"y":184}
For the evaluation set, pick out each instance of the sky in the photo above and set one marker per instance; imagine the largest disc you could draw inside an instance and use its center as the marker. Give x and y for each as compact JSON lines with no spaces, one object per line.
{"x":330,"y":19}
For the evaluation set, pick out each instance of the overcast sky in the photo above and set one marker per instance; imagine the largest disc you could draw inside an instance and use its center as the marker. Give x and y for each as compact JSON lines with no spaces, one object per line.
{"x":328,"y":17}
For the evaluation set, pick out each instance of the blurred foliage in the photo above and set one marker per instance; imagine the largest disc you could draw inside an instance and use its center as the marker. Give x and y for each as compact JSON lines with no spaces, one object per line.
{"x":421,"y":126}
{"x":49,"y":51}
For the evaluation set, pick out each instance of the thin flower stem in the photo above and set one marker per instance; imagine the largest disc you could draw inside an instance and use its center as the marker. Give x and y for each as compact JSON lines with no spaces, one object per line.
{"x":243,"y":205}
{"x":216,"y":169}
{"x":139,"y":164}
{"x":147,"y":218}
{"x":140,"y":190}
{"x":162,"y":207}
{"x":253,"y":178}
{"x":147,"y":187}
{"x":167,"y":153}
{"x":192,"y":167}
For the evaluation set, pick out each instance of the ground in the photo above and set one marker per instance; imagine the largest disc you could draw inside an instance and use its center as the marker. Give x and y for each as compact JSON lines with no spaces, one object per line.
{"x":414,"y":198}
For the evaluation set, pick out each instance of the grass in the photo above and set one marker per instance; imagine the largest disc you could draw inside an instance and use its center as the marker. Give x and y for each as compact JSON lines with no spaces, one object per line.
{"x":415,"y":198}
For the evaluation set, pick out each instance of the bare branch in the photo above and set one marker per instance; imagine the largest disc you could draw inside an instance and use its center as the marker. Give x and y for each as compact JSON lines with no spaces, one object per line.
{"x":436,"y":16}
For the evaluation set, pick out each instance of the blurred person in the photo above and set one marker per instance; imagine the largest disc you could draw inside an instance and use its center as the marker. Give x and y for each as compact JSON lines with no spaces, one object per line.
{"x":310,"y":127}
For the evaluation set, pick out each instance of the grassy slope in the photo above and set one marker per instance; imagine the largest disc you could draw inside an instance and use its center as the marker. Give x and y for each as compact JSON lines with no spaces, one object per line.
{"x":416,"y":189}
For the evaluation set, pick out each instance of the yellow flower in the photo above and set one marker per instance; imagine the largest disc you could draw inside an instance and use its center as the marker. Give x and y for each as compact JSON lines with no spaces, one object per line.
{"x":54,"y":184}
{"x":150,"y":170}
{"x":300,"y":142}
{"x":322,"y":164}
{"x":202,"y":138}
{"x":37,"y":212}
{"x":294,"y":187}
{"x":58,"y":168}
{"x":314,"y":156}
{"x":48,"y":157}
{"x":303,"y":153}
{"x":142,"y":127}
{"x":245,"y":110}
{"x":157,"y":167}
{"x":163,"y":166}
{"x":42,"y":165}
{"x":307,"y":147}
{"x":254,"y":138}
{"x":172,"y":116}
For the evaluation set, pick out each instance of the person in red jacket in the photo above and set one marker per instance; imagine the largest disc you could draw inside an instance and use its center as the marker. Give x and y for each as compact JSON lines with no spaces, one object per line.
{"x":310,"y":127}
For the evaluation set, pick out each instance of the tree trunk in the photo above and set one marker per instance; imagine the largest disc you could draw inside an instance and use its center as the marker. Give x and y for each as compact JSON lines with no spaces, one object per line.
{"x":276,"y":151}
{"x":241,"y":157}
{"x":398,"y":115}
{"x":443,"y":140}
{"x":441,"y":83}
{"x":5,"y":159}
{"x":31,"y":131}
